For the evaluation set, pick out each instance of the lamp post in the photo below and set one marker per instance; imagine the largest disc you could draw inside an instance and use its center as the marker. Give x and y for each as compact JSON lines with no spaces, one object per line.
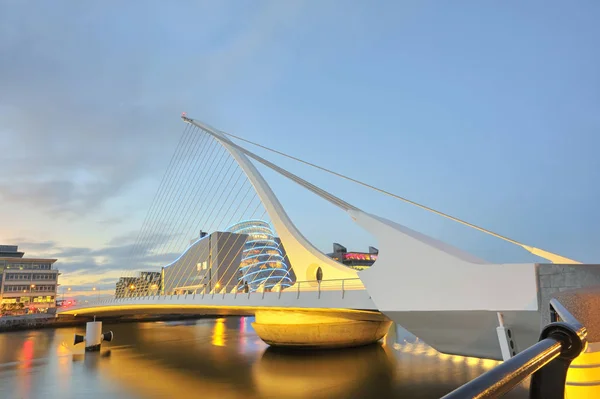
{"x":31,"y":288}
{"x":97,"y":295}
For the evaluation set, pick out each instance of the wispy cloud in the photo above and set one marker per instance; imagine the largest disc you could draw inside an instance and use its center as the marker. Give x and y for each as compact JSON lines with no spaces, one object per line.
{"x":89,"y":101}
{"x":86,"y":98}
{"x":83,"y":268}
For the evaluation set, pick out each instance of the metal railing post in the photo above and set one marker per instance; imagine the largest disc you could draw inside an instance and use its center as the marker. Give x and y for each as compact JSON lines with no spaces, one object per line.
{"x":547,"y":362}
{"x":298,"y":289}
{"x":319,"y":284}
{"x":550,"y":381}
{"x":343,"y":281}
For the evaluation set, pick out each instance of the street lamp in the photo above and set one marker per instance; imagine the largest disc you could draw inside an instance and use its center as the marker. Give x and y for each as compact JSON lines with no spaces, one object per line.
{"x":31,"y":288}
{"x":97,"y":295}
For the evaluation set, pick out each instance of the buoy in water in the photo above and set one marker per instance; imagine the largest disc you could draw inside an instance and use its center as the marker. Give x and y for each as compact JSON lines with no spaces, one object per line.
{"x":93,"y":336}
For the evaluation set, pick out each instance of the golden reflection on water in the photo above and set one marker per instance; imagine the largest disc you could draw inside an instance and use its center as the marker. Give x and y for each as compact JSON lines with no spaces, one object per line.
{"x":223,"y":358}
{"x":218,"y":336}
{"x":323,"y":374}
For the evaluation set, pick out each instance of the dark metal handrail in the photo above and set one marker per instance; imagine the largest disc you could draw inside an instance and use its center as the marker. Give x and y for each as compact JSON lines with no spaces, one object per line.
{"x":547,"y":362}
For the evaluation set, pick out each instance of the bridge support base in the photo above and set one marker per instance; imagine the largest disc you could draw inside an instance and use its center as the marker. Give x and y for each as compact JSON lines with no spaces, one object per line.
{"x":317,"y":329}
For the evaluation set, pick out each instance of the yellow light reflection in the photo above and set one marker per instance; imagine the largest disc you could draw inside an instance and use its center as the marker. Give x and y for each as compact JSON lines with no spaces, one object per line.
{"x":489,"y":363}
{"x":472,"y":361}
{"x":218,"y":336}
{"x":431,"y":352}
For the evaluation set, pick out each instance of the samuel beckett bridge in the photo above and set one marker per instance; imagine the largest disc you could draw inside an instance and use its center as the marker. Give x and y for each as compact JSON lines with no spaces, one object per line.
{"x":252,"y":260}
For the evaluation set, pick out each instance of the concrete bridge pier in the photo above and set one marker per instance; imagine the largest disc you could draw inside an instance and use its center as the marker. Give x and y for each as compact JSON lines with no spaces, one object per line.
{"x":331,"y":328}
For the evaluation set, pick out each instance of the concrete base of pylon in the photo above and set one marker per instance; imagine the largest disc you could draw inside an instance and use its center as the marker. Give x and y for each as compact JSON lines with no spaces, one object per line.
{"x":318,"y":329}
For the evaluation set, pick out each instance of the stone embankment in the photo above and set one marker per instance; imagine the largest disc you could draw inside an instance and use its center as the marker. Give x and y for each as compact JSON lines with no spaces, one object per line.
{"x":36,"y":321}
{"x":30,"y":322}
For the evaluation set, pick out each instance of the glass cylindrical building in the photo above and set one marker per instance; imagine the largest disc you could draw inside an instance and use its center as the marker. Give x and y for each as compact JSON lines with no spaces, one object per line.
{"x":262,"y":260}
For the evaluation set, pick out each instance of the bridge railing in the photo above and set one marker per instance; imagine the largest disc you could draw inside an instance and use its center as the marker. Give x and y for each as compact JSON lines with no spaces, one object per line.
{"x":299,"y":288}
{"x":547,"y":362}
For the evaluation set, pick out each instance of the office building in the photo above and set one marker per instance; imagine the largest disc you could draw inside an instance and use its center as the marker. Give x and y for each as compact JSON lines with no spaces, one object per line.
{"x":144,"y":284}
{"x":210,"y":264}
{"x":263,"y":262}
{"x":354,"y":260}
{"x":245,"y":257}
{"x":26,"y":284}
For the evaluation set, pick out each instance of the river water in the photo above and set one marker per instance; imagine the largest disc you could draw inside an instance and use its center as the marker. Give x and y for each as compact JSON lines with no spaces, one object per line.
{"x":221,"y":358}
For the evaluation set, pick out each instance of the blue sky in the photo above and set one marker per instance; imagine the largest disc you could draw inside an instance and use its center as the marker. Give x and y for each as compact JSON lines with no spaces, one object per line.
{"x":487,"y":111}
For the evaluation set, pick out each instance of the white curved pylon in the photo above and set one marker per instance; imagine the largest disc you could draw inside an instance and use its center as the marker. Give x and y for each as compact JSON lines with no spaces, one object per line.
{"x":304,"y":258}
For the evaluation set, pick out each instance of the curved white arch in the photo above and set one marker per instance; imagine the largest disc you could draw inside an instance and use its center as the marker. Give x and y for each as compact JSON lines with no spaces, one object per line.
{"x":304,"y":257}
{"x":410,"y":264}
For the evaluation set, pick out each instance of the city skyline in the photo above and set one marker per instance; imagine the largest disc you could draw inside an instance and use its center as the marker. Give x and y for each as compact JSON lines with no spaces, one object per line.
{"x":497,"y":129}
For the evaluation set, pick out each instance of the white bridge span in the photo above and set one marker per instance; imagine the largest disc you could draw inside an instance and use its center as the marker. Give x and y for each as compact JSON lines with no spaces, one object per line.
{"x":447,"y":297}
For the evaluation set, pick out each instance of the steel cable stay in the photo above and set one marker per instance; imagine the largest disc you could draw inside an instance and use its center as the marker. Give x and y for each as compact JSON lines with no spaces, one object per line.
{"x":554,"y":258}
{"x":232,"y":217}
{"x":167,"y":192}
{"x":180,"y":277}
{"x":168,"y":210}
{"x":210,"y":180}
{"x":248,"y":190}
{"x":215,"y":191}
{"x":172,"y":218}
{"x":211,"y":227}
{"x":175,"y":210}
{"x":141,"y":245}
{"x":153,"y":234}
{"x":187,"y":195}
{"x":159,"y":192}
{"x":176,"y":227}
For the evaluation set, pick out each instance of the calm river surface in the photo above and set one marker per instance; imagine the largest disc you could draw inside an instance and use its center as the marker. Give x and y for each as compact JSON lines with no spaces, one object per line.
{"x":221,"y":358}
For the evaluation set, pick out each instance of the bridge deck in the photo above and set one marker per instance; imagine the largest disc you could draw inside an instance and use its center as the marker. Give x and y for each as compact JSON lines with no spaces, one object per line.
{"x":241,"y":303}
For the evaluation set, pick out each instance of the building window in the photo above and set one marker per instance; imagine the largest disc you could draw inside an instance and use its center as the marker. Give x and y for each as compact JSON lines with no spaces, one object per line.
{"x":202,"y":266}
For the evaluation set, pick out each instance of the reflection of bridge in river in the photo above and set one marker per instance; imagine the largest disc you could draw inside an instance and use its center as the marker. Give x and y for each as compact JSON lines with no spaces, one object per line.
{"x":224,"y":358}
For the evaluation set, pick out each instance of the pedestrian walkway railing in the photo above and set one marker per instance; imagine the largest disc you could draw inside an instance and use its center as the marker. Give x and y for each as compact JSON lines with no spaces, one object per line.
{"x":547,"y":362}
{"x":312,"y":288}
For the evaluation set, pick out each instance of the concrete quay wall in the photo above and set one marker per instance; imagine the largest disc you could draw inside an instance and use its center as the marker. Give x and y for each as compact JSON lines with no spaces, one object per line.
{"x":554,"y":279}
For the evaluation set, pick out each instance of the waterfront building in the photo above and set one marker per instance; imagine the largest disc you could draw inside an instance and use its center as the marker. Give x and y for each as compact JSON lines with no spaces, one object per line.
{"x":144,"y":284}
{"x":26,"y":283}
{"x":245,"y":257}
{"x":354,"y":260}
{"x":209,"y":264}
{"x":263,"y":263}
